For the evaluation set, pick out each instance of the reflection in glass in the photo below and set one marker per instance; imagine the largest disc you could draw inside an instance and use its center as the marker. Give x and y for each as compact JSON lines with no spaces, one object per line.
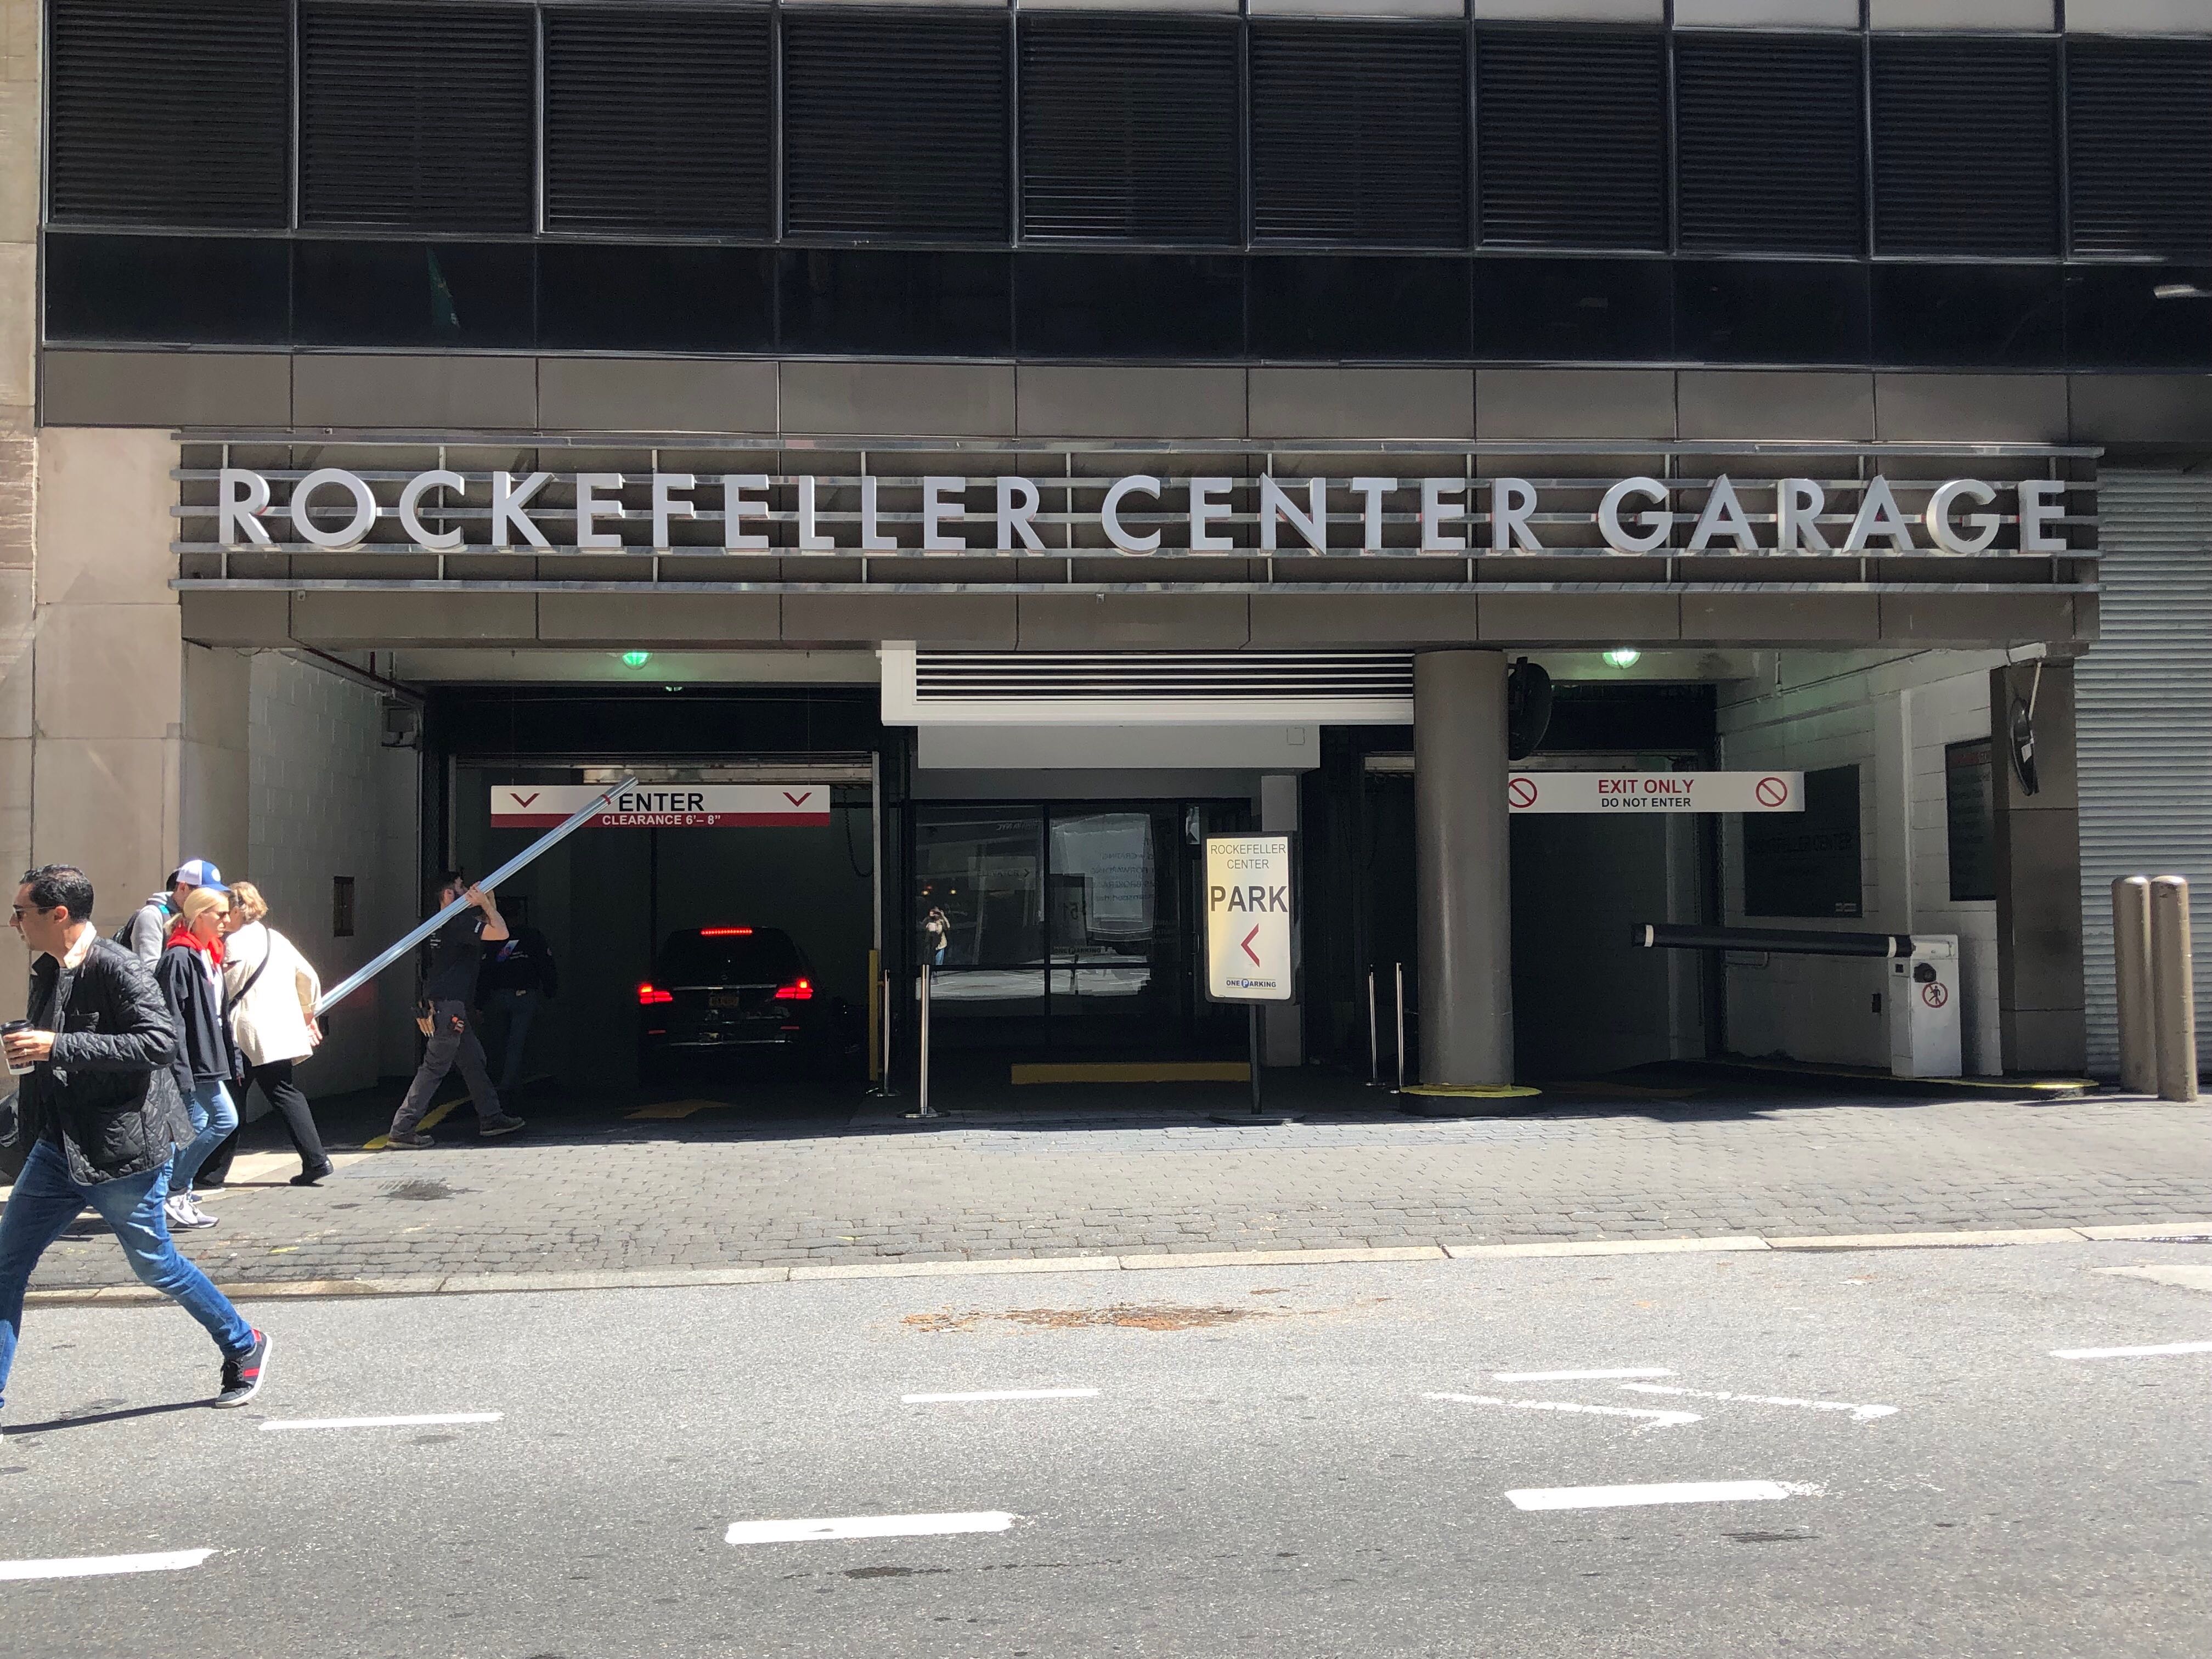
{"x":1102,"y":912}
{"x":979,"y":898}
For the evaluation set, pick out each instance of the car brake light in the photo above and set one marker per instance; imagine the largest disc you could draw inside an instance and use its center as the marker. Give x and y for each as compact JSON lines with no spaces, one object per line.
{"x":799,"y":990}
{"x":648,"y":993}
{"x":725,"y":933}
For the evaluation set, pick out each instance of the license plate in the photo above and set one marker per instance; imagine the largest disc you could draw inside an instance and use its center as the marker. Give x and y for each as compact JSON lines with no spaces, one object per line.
{"x":725,"y":998}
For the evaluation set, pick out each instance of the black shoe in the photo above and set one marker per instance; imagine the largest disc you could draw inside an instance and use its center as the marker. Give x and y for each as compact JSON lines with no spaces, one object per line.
{"x":309,"y":1177}
{"x":242,"y":1377}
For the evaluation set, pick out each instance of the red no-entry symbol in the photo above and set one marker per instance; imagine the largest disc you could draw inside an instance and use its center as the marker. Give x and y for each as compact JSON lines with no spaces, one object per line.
{"x":1522,"y":791}
{"x":1934,"y":994}
{"x":1772,"y":792}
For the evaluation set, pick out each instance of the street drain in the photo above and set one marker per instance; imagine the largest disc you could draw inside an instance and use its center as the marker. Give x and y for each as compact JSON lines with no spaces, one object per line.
{"x":1122,"y":1315}
{"x":419,"y":1192}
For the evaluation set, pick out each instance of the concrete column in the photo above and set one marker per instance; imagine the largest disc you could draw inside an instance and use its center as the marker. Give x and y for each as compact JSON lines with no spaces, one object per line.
{"x":1461,"y":880}
{"x":2039,"y":858}
{"x":2131,"y":982}
{"x":2172,"y":989}
{"x":1282,"y":1024}
{"x":21,"y":45}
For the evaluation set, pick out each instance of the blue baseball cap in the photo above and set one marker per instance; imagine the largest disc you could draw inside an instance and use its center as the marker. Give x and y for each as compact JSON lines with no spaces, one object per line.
{"x":198,"y":873}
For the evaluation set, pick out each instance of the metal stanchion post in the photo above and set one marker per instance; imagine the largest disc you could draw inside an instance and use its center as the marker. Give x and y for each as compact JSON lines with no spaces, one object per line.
{"x":1374,"y":1048}
{"x":2173,"y":991}
{"x":921,"y":1075}
{"x":2131,"y":983}
{"x":884,"y":1089}
{"x":1398,"y":971}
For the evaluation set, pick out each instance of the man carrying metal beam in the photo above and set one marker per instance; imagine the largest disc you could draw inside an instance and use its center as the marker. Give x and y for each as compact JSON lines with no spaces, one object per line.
{"x":449,"y":981}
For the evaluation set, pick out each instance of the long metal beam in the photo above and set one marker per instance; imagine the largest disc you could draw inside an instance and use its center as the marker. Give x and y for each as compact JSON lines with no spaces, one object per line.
{"x":400,"y":947}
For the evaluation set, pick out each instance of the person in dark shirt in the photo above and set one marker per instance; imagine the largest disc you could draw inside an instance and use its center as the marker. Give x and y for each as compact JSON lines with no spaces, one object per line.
{"x":518,"y":977}
{"x":449,"y":984}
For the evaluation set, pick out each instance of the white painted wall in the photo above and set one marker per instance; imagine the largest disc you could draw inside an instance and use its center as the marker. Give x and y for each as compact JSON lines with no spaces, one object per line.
{"x":324,"y":797}
{"x":1892,"y":717}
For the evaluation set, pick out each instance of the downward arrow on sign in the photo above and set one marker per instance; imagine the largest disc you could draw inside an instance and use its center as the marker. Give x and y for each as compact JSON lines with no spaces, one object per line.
{"x":521,"y":800}
{"x":798,"y":800}
{"x":1249,"y":951}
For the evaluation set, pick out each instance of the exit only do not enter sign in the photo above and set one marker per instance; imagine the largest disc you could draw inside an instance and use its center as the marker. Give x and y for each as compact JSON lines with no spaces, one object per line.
{"x":1656,"y":792}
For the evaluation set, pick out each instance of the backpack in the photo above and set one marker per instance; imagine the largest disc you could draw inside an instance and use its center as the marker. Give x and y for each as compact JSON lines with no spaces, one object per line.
{"x":122,"y":935}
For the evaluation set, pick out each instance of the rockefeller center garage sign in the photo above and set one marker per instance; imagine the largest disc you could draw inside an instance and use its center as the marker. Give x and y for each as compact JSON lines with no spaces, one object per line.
{"x":436,"y":510}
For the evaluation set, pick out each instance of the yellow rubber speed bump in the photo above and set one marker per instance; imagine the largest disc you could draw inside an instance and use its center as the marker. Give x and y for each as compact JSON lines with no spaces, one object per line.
{"x":1472,"y":1090}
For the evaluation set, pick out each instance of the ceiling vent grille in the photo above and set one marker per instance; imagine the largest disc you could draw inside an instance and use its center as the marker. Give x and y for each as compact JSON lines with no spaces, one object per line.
{"x":1770,"y":129}
{"x":1347,"y":688}
{"x":1965,"y":146}
{"x":1572,"y":137}
{"x":2139,"y":130}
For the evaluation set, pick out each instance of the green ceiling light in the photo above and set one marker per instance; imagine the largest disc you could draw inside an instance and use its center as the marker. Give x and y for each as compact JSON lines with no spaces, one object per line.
{"x":636,"y":659}
{"x":1623,"y":656}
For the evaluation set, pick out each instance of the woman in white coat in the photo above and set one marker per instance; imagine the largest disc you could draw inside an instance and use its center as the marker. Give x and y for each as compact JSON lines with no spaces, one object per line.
{"x":269,"y":993}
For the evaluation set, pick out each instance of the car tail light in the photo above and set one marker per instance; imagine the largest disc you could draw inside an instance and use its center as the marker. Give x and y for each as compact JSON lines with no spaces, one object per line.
{"x":799,"y":990}
{"x":648,"y":993}
{"x":725,"y":933}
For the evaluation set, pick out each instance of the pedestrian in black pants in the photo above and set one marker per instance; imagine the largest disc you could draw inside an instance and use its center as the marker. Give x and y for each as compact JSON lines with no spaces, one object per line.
{"x":270,"y":990}
{"x":449,"y":981}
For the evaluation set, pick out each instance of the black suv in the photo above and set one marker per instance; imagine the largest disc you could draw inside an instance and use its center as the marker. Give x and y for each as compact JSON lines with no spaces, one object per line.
{"x":727,"y":990}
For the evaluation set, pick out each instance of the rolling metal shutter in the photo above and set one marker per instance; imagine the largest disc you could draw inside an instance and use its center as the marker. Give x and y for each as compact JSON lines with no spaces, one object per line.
{"x":1130,"y":128}
{"x":2139,"y":146}
{"x":172,"y":114}
{"x":659,"y":119}
{"x":1572,"y":136}
{"x":417,"y":117}
{"x":1965,"y":146}
{"x":1770,"y":129}
{"x":1359,"y":133}
{"x":2143,"y":710}
{"x":894,"y":123}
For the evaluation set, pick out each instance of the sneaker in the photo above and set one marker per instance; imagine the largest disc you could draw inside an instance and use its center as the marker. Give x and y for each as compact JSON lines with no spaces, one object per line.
{"x":505,"y":1124}
{"x":184,"y":1215}
{"x":242,"y":1377}
{"x":407,"y":1137}
{"x":195,"y":1216}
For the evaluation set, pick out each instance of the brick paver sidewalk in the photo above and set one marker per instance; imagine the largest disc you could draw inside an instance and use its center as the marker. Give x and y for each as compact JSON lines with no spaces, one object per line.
{"x":603,"y":1193}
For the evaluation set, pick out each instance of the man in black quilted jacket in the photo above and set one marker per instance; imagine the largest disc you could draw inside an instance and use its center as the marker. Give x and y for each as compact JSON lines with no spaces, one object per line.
{"x":99,"y":1106}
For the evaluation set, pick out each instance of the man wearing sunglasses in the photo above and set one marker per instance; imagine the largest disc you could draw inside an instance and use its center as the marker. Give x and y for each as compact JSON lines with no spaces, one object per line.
{"x":99,"y":1111}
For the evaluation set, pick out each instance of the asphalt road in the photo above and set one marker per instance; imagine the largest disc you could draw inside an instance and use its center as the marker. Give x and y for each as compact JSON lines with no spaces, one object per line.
{"x":1218,"y":1461}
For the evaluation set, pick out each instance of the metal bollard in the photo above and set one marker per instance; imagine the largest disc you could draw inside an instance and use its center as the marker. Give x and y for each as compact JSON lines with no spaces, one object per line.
{"x":884,"y":1089}
{"x":921,"y":1085}
{"x":2172,"y":989}
{"x":1374,"y":1046}
{"x":1399,"y":971}
{"x":2131,"y":983}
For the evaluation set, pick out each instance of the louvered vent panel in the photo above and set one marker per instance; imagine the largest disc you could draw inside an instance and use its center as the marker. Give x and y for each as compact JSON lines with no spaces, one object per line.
{"x":171,"y":114}
{"x":1062,"y":677}
{"x":1129,"y":128}
{"x":1770,"y":128}
{"x":2139,"y":130}
{"x":1965,"y":146}
{"x":1359,"y":133}
{"x":659,"y":120}
{"x":1572,"y":136}
{"x":896,"y":124}
{"x":417,"y":117}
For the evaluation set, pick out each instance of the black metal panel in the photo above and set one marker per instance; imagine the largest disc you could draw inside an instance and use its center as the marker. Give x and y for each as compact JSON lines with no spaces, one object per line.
{"x":1572,"y":136}
{"x":459,"y":295}
{"x":1359,"y":132}
{"x":898,"y":302}
{"x":1130,"y":127}
{"x":1095,"y":303}
{"x":619,"y":296}
{"x":1769,"y":142}
{"x":1349,"y":307}
{"x":1965,"y":146}
{"x":418,"y":116}
{"x":171,"y":113}
{"x":894,"y":123}
{"x":2139,"y":146}
{"x":168,"y":290}
{"x":659,"y":118}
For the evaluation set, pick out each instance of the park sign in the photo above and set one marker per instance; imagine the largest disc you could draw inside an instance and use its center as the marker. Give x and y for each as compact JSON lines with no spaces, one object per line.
{"x":663,"y":806}
{"x":1656,"y":791}
{"x":1248,"y":908}
{"x":334,"y":509}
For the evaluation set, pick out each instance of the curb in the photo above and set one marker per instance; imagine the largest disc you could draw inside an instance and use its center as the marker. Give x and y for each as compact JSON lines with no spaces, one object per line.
{"x":649,"y":1278}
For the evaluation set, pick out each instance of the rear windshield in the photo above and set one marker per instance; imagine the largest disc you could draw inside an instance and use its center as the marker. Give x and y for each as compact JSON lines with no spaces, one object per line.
{"x":727,"y":959}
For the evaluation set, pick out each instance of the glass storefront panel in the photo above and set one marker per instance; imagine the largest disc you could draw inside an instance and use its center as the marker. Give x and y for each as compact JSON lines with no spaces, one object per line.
{"x":979,"y":911}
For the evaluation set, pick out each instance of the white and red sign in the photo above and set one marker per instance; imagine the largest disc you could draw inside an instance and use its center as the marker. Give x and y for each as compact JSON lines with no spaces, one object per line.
{"x":1656,"y":792}
{"x":663,"y":806}
{"x":1249,"y":945}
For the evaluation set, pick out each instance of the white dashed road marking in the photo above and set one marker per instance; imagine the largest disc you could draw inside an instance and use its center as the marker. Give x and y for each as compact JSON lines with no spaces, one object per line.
{"x":383,"y":1422}
{"x":101,"y":1566}
{"x":1679,"y":1491}
{"x":1859,"y":1413}
{"x":1651,"y":1420}
{"x":1578,"y":1376}
{"x":2151,"y":1352}
{"x":868,"y":1526}
{"x":999,"y":1393}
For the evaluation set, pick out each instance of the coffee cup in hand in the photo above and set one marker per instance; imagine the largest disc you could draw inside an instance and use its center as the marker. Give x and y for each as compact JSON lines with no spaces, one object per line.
{"x":8,"y":1034}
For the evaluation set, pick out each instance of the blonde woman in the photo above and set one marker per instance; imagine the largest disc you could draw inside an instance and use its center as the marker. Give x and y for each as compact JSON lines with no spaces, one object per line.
{"x":270,"y":990}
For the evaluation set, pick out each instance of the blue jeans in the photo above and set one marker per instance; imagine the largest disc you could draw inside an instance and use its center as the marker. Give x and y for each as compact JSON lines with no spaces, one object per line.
{"x":46,"y":1200}
{"x":214,"y":1117}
